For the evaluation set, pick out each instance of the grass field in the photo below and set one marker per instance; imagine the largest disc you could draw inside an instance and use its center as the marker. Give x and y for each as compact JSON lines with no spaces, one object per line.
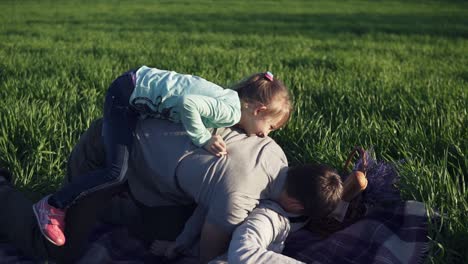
{"x":387,"y":74}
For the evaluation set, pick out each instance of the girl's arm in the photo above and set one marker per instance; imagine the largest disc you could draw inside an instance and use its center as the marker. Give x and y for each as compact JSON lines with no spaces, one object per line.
{"x":252,"y":239}
{"x":196,"y":109}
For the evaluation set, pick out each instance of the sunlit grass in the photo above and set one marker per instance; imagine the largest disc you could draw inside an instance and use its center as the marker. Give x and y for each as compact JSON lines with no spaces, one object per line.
{"x":387,"y":74}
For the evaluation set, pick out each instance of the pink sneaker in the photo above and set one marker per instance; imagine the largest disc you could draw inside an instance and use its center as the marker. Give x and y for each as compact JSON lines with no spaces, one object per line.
{"x":51,"y":221}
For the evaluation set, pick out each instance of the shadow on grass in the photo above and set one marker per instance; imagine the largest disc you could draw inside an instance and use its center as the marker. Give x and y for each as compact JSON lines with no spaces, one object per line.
{"x":452,"y":26}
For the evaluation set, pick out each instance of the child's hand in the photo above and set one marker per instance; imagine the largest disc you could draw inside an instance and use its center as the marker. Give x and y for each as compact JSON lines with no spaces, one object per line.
{"x":354,"y":185}
{"x":216,"y":146}
{"x":160,"y":247}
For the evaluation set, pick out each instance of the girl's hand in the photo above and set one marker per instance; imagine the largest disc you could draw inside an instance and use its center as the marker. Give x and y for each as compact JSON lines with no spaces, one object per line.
{"x":216,"y":146}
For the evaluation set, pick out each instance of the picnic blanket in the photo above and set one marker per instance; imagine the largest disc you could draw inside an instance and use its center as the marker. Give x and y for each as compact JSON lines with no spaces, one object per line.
{"x":392,"y":234}
{"x":390,"y":231}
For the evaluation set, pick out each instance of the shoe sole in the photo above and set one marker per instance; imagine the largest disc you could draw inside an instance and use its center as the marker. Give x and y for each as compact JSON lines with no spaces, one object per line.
{"x":40,"y":229}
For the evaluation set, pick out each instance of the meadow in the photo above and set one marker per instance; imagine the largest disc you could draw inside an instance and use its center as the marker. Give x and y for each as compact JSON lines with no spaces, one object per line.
{"x":392,"y":75}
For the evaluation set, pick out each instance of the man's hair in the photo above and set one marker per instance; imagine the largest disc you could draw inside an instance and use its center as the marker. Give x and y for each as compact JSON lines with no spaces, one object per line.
{"x":318,"y":187}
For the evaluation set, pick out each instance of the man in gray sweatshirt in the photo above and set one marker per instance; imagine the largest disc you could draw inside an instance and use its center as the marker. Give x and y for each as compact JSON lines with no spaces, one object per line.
{"x":165,"y":171}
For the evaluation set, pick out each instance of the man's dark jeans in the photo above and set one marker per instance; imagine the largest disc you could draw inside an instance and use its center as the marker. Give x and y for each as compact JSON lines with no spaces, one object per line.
{"x":18,"y":223}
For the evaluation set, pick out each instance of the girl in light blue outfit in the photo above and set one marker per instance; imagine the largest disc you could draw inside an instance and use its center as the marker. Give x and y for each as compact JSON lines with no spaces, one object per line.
{"x":258,"y":105}
{"x":191,"y":100}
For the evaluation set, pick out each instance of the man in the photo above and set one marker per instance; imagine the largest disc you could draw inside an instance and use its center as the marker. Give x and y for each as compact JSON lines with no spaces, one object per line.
{"x":165,"y":170}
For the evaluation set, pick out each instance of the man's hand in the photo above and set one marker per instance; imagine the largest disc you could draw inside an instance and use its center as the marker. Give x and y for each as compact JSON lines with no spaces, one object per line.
{"x":172,"y":252}
{"x":216,"y":146}
{"x":214,"y":241}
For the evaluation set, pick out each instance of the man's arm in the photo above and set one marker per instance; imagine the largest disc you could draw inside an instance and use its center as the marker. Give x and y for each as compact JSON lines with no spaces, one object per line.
{"x":192,"y":230}
{"x":214,"y":241}
{"x":260,"y":239}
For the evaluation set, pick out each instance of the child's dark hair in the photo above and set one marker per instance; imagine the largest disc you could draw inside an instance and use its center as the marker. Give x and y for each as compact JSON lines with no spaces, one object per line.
{"x":317,"y":186}
{"x":269,"y":91}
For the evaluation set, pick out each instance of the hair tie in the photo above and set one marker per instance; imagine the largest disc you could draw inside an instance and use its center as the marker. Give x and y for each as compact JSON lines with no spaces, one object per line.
{"x":269,"y":76}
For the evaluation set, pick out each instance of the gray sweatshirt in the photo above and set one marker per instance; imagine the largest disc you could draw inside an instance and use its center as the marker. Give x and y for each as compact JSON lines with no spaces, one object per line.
{"x":260,"y":238}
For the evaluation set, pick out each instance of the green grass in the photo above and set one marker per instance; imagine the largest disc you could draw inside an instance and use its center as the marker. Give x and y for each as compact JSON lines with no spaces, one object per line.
{"x":387,"y":74}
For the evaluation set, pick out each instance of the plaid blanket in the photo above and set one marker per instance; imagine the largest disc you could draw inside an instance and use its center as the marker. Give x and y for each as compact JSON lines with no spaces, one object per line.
{"x":392,"y":231}
{"x":391,"y":234}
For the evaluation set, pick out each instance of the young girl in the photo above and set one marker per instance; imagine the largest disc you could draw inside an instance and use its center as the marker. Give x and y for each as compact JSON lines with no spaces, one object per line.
{"x":258,"y":105}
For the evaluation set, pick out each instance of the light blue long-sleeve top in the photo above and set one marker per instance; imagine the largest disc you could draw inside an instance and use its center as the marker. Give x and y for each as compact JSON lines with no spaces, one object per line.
{"x":195,"y":102}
